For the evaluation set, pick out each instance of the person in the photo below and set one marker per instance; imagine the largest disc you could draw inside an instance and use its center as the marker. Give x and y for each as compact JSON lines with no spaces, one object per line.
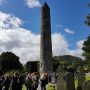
{"x":44,"y":81}
{"x":14,"y":84}
{"x":35,"y":79}
{"x":6,"y":83}
{"x":28,"y":82}
{"x":49,"y":78}
{"x":20,"y":82}
{"x":46,"y":78}
{"x":0,"y":83}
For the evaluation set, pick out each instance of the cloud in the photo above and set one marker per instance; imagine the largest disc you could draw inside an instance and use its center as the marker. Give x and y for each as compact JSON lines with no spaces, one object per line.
{"x":32,"y":3}
{"x":60,"y":46}
{"x":22,"y":42}
{"x":69,"y":31}
{"x":9,"y":21}
{"x":78,"y":52}
{"x":80,"y":43}
{"x":26,"y":44}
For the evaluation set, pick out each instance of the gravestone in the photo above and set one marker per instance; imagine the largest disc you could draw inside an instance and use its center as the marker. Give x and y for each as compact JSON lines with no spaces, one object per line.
{"x":62,"y":85}
{"x":81,"y":77}
{"x":64,"y":80}
{"x":86,"y":85}
{"x":60,"y":80}
{"x":70,"y":81}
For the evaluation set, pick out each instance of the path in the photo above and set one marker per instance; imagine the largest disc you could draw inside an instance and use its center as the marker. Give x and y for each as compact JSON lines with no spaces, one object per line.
{"x":88,"y":74}
{"x":39,"y":87}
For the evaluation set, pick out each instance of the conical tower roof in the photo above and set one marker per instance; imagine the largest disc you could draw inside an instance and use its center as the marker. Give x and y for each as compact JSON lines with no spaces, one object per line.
{"x":45,"y":5}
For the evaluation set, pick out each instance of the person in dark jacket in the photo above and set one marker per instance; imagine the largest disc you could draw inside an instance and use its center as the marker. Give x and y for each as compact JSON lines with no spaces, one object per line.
{"x":28,"y":82}
{"x":14,"y":84}
{"x":35,"y":80}
{"x":20,"y":82}
{"x":6,"y":83}
{"x":2,"y":80}
{"x":0,"y":83}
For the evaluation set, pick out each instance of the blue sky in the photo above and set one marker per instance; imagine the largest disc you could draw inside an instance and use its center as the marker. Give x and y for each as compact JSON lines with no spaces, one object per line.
{"x":67,"y":23}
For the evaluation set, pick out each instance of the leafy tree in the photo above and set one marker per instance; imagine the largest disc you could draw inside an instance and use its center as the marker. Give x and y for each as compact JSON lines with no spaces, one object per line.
{"x":86,"y":45}
{"x":86,"y":49}
{"x":88,"y":18}
{"x":9,"y":61}
{"x":55,"y":64}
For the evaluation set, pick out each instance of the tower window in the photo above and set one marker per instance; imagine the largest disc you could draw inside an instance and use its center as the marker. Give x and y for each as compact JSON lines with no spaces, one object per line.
{"x":41,"y":65}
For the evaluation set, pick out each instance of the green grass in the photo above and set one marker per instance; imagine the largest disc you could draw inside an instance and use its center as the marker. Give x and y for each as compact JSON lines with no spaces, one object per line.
{"x":23,"y":88}
{"x":76,"y":84}
{"x":88,"y":78}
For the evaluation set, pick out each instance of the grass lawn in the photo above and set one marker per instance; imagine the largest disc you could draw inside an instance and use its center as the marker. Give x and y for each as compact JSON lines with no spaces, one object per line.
{"x":23,"y":88}
{"x":88,"y":78}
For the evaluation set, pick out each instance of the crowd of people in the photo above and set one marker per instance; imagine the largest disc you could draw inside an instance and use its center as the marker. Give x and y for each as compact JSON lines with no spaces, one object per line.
{"x":31,"y":81}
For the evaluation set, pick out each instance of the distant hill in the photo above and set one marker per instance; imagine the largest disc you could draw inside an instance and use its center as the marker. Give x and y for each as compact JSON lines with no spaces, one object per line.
{"x":69,"y":62}
{"x":68,"y":59}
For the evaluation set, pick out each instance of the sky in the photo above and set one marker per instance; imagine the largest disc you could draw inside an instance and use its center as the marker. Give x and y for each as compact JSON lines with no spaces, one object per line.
{"x":20,"y":27}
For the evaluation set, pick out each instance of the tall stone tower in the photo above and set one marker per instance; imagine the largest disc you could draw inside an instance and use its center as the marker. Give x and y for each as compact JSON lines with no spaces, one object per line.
{"x":45,"y":43}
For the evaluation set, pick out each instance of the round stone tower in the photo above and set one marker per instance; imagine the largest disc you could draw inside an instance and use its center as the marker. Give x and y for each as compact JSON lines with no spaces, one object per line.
{"x":46,"y":42}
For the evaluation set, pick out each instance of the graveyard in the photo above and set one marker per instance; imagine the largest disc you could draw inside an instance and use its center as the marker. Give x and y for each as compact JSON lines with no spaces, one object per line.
{"x":76,"y":85}
{"x":68,"y":71}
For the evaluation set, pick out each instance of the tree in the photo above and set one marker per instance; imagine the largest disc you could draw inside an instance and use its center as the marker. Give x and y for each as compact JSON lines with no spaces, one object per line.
{"x":9,"y":61}
{"x":86,"y":49}
{"x":86,"y":45}
{"x":88,"y":18}
{"x":55,"y":64}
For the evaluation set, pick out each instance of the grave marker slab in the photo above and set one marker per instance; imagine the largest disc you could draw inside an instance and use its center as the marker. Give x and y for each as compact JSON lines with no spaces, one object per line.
{"x":86,"y":85}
